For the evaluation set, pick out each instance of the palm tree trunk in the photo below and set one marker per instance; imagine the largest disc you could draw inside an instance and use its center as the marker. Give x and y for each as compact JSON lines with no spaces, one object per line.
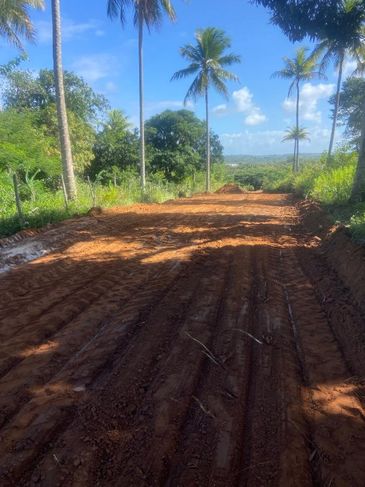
{"x":207,"y":186}
{"x":63,"y":130}
{"x":337,"y":104}
{"x":297,"y":127}
{"x":141,"y":99}
{"x":358,"y":187}
{"x":295,"y":154}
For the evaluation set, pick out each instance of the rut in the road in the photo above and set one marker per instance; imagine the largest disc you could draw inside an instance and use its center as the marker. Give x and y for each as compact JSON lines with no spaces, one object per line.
{"x":201,"y":342}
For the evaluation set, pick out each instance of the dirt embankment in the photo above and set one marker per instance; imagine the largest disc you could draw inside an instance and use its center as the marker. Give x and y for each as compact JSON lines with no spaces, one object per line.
{"x":209,"y":341}
{"x":344,"y":255}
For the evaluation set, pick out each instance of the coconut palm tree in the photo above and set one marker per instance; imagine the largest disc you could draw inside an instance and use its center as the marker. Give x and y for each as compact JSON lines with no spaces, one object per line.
{"x":300,"y":68}
{"x":296,"y":134}
{"x":338,"y":49}
{"x":149,"y":13}
{"x":15,"y":22}
{"x":63,"y":130}
{"x":207,"y":61}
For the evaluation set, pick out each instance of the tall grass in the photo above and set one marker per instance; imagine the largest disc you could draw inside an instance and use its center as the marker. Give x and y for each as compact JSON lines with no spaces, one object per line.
{"x":48,"y":206}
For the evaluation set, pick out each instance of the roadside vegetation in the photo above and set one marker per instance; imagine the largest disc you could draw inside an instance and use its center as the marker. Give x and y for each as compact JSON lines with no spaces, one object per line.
{"x":329,"y":185}
{"x":64,"y":149}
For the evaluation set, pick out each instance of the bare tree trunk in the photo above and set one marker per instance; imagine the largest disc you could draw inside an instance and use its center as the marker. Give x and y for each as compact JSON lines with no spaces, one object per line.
{"x":207,"y":185}
{"x":141,"y":99}
{"x":63,"y":130}
{"x":337,"y":104}
{"x":296,"y":169}
{"x":295,"y":154}
{"x":64,"y":192}
{"x":18,"y":200}
{"x":358,"y":187}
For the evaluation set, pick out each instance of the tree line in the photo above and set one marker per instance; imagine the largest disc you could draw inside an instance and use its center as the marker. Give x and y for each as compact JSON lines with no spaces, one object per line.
{"x":337,"y":26}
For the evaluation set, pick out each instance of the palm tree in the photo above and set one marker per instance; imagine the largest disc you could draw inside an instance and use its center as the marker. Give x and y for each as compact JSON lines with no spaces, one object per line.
{"x":147,"y":12}
{"x":296,"y":134}
{"x":207,"y":60}
{"x":300,"y":68}
{"x":15,"y":22}
{"x":337,"y":49}
{"x":63,"y":130}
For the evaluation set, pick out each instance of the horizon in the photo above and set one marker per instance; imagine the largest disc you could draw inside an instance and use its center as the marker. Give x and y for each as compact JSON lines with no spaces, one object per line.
{"x":257,"y":113}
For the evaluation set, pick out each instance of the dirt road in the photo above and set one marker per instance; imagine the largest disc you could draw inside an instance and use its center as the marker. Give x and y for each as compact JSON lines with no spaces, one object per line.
{"x":203,"y":342}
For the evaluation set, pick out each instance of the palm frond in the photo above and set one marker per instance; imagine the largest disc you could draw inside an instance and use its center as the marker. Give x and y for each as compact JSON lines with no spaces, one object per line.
{"x":117,"y":8}
{"x":219,"y":84}
{"x":196,"y":89}
{"x":207,"y":58}
{"x":15,"y":22}
{"x":229,"y":59}
{"x":184,"y":73}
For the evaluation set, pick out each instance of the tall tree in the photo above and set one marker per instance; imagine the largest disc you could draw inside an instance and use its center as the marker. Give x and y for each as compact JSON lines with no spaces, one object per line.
{"x":15,"y":22}
{"x":296,"y":134}
{"x":323,"y":20}
{"x":207,"y":61}
{"x":300,"y":68}
{"x":176,"y":141}
{"x":337,"y":50}
{"x":351,"y":110}
{"x":64,"y":135}
{"x":149,"y":13}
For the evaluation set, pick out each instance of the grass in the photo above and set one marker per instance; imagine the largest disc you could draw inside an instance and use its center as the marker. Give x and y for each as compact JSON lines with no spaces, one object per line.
{"x":331,"y":186}
{"x":48,"y":205}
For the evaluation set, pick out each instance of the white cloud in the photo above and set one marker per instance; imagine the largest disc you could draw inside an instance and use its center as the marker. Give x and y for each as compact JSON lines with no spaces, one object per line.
{"x":310,"y":95}
{"x":95,"y":67}
{"x":220,"y":109}
{"x":255,"y":117}
{"x":70,"y":29}
{"x":243,"y":100}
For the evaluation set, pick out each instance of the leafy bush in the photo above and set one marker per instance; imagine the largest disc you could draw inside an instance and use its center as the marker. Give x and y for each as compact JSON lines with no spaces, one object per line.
{"x":333,"y":187}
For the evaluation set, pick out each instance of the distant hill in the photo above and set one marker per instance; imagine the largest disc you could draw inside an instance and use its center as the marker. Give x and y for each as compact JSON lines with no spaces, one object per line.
{"x":275,"y":158}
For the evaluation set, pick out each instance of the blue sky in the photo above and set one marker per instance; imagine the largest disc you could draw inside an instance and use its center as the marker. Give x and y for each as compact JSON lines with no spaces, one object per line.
{"x":252,"y":121}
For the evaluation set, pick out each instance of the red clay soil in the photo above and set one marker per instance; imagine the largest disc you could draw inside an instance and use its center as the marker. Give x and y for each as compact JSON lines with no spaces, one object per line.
{"x":230,"y":188}
{"x":204,"y":342}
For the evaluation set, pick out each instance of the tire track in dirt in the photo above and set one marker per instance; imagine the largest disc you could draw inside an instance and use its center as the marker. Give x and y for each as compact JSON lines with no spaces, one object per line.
{"x":125,"y":389}
{"x":333,"y":411}
{"x":201,"y":342}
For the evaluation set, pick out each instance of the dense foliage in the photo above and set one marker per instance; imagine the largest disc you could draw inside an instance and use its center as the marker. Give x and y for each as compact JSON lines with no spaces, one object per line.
{"x":352,"y":108}
{"x":177,"y":142}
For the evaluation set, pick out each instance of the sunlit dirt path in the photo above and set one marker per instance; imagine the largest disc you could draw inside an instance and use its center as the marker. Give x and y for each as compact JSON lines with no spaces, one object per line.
{"x":202,"y":342}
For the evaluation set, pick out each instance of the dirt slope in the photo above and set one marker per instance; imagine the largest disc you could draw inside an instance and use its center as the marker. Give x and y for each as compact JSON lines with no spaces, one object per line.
{"x":204,"y":342}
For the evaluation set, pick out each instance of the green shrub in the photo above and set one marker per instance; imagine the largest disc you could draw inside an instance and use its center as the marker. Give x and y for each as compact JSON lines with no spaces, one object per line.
{"x":333,"y":187}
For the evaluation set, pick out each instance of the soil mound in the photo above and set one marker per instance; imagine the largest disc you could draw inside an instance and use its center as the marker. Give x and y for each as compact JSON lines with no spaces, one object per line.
{"x":230,"y":188}
{"x":95,"y":211}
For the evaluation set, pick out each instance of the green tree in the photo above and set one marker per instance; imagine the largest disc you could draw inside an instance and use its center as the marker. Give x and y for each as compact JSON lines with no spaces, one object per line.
{"x":116,"y":147}
{"x":323,"y":20}
{"x":27,"y":90}
{"x":82,"y":136}
{"x":63,"y":128}
{"x":337,"y":50}
{"x":351,"y":109}
{"x":318,"y":20}
{"x":300,"y":68}
{"x":24,"y":147}
{"x":176,"y":142}
{"x":296,"y":134}
{"x":149,"y":13}
{"x":207,"y":61}
{"x":15,"y":22}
